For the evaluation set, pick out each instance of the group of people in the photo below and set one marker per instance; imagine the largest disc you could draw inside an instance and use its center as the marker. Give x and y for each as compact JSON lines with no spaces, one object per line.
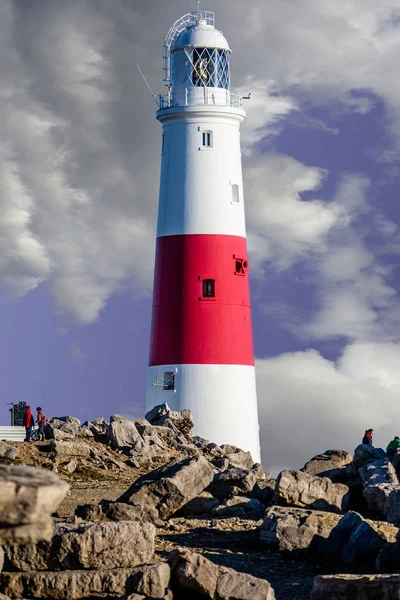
{"x":29,"y":423}
{"x":392,"y":447}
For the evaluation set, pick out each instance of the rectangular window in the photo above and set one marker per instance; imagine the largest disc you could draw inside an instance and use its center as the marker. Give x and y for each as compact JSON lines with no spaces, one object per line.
{"x":207,"y":139}
{"x":162,"y":145}
{"x":235,"y":193}
{"x":169,"y":380}
{"x":208,"y":288}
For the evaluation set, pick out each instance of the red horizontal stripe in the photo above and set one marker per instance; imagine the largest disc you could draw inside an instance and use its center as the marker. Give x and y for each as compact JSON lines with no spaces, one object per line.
{"x":190,"y":329}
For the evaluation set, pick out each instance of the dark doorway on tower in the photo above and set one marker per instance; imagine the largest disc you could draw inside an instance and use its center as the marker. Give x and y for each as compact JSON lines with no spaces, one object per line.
{"x":208,"y":288}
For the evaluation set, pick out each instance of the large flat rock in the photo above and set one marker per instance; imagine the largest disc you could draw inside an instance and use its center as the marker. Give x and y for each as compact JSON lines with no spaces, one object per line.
{"x":71,"y":585}
{"x":356,"y":587}
{"x":295,"y":488}
{"x":171,"y":486}
{"x":28,"y":495}
{"x":104,"y":545}
{"x":292,"y":530}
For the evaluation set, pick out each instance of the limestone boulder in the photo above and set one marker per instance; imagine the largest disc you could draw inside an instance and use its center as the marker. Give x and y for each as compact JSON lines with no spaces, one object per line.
{"x":356,"y":587}
{"x":66,"y":448}
{"x":392,"y":507}
{"x":28,"y":495}
{"x":295,"y":488}
{"x":74,"y":585}
{"x":364,"y":454}
{"x":8,"y":451}
{"x":203,"y":504}
{"x":232,"y":585}
{"x":240,"y":506}
{"x":377,"y":472}
{"x":232,"y":482}
{"x":152,"y":580}
{"x":181,"y":419}
{"x":292,"y":530}
{"x":327,"y":463}
{"x":240,"y":460}
{"x":117,"y":511}
{"x":122,"y":433}
{"x":377,"y":497}
{"x":193,"y":575}
{"x":172,"y":486}
{"x":1,"y":559}
{"x":104,"y":545}
{"x":354,"y":541}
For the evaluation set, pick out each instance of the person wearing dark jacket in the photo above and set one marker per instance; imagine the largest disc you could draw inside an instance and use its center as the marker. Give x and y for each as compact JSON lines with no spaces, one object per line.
{"x":28,"y":423}
{"x":367,"y":439}
{"x":393,"y":446}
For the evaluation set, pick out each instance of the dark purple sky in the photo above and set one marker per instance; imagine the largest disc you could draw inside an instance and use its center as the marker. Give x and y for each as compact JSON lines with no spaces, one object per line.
{"x":78,"y":198}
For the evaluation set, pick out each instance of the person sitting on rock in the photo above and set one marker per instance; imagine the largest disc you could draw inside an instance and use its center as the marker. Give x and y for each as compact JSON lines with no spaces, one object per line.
{"x":391,"y":450}
{"x":367,"y":439}
{"x":28,"y":423}
{"x":41,"y":421}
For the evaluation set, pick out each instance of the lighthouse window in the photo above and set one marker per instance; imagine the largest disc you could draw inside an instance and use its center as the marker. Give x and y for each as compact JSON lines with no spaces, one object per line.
{"x":169,"y":380}
{"x":207,"y":139}
{"x":208,"y":288}
{"x":210,"y":67}
{"x":235,"y":193}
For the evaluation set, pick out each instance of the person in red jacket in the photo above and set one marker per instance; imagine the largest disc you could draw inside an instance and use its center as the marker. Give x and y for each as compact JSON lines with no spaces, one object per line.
{"x":28,"y":423}
{"x":41,"y":421}
{"x":367,"y":439}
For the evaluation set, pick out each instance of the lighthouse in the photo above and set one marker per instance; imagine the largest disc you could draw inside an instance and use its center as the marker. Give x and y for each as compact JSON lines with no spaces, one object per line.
{"x":201,"y":349}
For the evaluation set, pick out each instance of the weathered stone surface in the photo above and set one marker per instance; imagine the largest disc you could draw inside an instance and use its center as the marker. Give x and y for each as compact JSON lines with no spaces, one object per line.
{"x":170,"y":487}
{"x":392,"y":507}
{"x":365,"y":453}
{"x":193,"y":575}
{"x":27,"y":494}
{"x":377,"y":496}
{"x":240,"y":460}
{"x":152,"y":580}
{"x":327,"y":462}
{"x":8,"y":451}
{"x":293,"y":529}
{"x":70,"y":420}
{"x":28,"y":533}
{"x":203,"y":503}
{"x":241,"y":586}
{"x":104,"y":545}
{"x":240,"y":506}
{"x":377,"y":472}
{"x":122,"y":433}
{"x":74,"y":585}
{"x":232,"y":482}
{"x":1,"y":560}
{"x":118,"y":511}
{"x":157,"y":412}
{"x":353,"y":541}
{"x":295,"y":488}
{"x":59,"y":435}
{"x":71,"y":465}
{"x":70,"y":448}
{"x":388,"y":560}
{"x":356,"y":587}
{"x":181,"y":419}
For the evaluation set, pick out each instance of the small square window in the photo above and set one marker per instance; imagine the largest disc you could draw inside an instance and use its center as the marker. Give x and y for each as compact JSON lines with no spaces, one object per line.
{"x":207,"y":139}
{"x":169,"y":380}
{"x":208,"y":288}
{"x":240,"y":266}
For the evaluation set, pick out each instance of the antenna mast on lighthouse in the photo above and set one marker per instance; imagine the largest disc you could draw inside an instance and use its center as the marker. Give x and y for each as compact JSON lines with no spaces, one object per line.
{"x":201,"y":351}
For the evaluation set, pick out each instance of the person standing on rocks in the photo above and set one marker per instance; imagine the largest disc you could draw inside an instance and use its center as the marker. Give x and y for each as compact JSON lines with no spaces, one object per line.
{"x":367,"y":439}
{"x":393,"y":446}
{"x":28,"y":423}
{"x":41,"y":421}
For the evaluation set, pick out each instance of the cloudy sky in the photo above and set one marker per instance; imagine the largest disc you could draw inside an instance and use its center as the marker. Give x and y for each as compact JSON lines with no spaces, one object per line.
{"x":79,"y":169}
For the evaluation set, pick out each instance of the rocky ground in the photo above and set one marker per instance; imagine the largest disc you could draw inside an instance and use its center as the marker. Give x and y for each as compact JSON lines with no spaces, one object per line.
{"x":337,"y":517}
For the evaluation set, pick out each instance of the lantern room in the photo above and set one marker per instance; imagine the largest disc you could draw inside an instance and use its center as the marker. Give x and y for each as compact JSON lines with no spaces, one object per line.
{"x":196,"y":62}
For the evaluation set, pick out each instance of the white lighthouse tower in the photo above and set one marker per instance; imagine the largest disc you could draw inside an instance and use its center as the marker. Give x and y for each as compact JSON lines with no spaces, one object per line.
{"x":201,"y":354}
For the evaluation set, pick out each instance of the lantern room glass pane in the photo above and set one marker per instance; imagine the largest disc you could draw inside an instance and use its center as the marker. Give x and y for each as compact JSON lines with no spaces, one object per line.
{"x":210,"y":68}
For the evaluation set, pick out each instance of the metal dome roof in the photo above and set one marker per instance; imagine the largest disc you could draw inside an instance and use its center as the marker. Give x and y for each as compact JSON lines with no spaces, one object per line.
{"x":200,"y":35}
